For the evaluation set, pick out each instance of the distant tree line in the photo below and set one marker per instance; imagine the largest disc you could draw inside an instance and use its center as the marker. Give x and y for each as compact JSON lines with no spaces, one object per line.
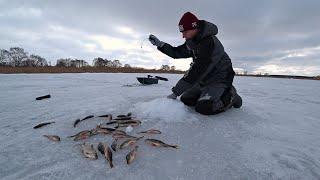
{"x":168,"y":68}
{"x":100,"y":62}
{"x":18,"y":57}
{"x":78,"y":63}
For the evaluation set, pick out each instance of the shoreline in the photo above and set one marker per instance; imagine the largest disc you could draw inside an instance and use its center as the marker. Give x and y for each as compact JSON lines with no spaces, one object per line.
{"x":60,"y":70}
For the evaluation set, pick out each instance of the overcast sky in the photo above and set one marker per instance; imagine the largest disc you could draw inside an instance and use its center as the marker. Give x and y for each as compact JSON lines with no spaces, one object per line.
{"x":274,"y":36}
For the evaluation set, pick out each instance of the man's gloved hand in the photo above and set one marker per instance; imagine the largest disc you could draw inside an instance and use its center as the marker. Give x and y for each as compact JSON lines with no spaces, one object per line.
{"x":155,"y":41}
{"x":172,"y":96}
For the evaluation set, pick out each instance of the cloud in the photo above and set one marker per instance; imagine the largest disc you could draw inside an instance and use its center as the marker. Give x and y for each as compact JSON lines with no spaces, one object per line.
{"x":22,"y":13}
{"x":283,"y":70}
{"x":128,"y":31}
{"x":258,"y":36}
{"x":109,"y":43}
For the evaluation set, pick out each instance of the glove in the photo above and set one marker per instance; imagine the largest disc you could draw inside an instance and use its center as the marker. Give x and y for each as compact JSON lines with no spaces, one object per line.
{"x":155,"y":41}
{"x":172,"y":96}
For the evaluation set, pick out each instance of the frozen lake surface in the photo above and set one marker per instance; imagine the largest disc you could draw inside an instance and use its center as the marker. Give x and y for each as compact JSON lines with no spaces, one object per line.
{"x":275,"y":135}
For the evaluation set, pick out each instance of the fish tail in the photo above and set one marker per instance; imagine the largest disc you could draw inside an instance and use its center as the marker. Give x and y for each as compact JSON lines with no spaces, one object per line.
{"x":111,"y":164}
{"x":174,"y":146}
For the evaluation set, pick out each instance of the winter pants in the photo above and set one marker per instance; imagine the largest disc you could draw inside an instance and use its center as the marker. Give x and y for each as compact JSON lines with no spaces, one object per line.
{"x":206,"y":99}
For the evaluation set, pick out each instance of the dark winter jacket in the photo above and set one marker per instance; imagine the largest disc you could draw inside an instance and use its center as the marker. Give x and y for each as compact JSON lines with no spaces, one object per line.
{"x":211,"y":64}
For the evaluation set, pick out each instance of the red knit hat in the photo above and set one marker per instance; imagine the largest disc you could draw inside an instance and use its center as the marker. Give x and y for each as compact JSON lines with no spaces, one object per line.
{"x":188,"y":22}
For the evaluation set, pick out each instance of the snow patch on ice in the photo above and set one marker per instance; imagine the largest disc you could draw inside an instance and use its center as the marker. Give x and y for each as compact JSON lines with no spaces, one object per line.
{"x":165,"y":110}
{"x":129,"y":129}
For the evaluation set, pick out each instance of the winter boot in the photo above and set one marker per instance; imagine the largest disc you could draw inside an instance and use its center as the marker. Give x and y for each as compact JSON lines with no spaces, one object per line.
{"x":227,"y":98}
{"x":236,"y":99}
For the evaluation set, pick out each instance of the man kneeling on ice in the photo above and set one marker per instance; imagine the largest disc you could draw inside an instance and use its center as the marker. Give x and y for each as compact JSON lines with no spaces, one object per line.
{"x":207,"y":85}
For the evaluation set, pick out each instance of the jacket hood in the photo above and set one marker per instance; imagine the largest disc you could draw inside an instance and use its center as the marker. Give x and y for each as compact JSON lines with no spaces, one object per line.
{"x":206,"y":29}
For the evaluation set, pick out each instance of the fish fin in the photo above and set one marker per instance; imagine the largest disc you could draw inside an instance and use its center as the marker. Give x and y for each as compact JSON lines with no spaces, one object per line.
{"x":100,"y":149}
{"x":140,"y":138}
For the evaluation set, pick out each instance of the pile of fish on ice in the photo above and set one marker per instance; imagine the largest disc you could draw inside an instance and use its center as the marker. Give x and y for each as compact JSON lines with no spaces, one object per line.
{"x":121,"y":139}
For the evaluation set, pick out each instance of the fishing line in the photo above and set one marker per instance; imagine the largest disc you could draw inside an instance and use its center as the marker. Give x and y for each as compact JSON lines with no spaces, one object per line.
{"x":144,"y":39}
